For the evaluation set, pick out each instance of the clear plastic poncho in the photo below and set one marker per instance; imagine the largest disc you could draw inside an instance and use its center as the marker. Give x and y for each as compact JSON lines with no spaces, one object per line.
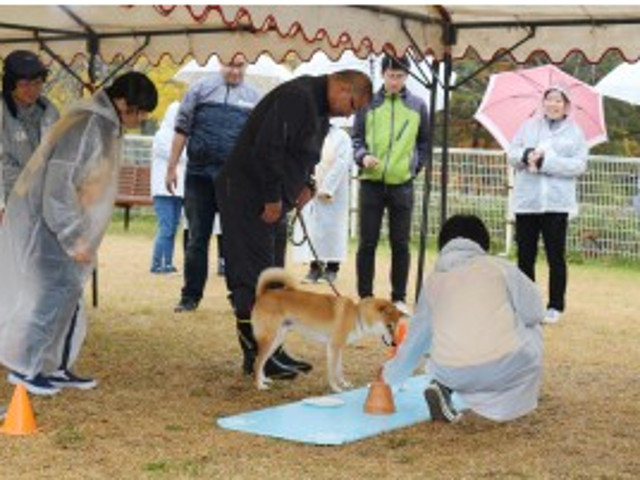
{"x":60,"y":205}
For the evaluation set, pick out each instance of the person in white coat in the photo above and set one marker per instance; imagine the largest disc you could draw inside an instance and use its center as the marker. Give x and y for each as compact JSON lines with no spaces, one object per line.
{"x":549,"y":153}
{"x":478,"y":317}
{"x":56,"y":217}
{"x":326,"y":216}
{"x":167,"y":205}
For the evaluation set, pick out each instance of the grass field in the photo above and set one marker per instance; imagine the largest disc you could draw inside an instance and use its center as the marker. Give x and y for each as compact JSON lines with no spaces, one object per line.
{"x":164,"y":379}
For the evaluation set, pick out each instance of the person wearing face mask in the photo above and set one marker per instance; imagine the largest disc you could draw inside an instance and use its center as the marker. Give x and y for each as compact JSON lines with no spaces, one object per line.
{"x":270,"y":172}
{"x":549,"y":153}
{"x":25,"y":117}
{"x":390,"y":141}
{"x":209,"y":120}
{"x":58,"y":212}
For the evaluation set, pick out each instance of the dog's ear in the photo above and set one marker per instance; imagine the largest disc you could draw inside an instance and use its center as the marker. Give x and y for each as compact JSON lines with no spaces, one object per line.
{"x":386,"y":308}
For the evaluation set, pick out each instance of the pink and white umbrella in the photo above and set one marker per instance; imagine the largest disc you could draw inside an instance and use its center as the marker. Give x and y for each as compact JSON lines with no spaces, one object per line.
{"x":513,"y":97}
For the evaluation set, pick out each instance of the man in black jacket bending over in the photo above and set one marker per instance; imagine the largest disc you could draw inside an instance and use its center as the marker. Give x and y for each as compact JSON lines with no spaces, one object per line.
{"x":268,"y":173}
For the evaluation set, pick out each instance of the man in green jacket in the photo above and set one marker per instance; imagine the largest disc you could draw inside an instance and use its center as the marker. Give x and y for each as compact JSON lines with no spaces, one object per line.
{"x":390,"y":140}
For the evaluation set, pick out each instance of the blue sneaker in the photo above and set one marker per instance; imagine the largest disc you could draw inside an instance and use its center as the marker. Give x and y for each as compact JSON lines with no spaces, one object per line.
{"x":38,"y":385}
{"x":67,"y":379}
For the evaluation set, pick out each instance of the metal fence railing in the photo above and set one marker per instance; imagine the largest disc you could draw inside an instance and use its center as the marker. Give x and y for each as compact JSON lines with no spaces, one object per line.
{"x":480,"y":182}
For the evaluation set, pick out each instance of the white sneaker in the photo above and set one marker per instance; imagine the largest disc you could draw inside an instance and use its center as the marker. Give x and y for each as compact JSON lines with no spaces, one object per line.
{"x":400,"y":305}
{"x":552,"y":316}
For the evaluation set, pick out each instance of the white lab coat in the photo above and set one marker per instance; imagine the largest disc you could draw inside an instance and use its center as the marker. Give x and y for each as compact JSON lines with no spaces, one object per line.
{"x":327,"y":221}
{"x":161,"y":151}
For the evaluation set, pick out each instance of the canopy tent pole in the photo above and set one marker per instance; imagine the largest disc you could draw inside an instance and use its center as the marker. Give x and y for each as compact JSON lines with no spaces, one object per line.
{"x":426,"y":196}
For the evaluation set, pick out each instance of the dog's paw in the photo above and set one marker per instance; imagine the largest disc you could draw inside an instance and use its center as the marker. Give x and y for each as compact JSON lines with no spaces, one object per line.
{"x":263,"y":383}
{"x":346,"y":384}
{"x":336,"y":388}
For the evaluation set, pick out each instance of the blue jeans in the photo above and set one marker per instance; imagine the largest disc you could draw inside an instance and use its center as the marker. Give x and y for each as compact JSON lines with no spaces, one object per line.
{"x":200,"y":208}
{"x":168,"y":215}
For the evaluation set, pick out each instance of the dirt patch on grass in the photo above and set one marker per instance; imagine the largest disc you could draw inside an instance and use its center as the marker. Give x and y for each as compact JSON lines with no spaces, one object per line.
{"x":165,"y":378}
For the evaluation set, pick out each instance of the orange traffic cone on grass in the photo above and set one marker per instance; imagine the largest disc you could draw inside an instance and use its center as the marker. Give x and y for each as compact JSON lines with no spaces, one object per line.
{"x":20,"y":419}
{"x":379,"y":400}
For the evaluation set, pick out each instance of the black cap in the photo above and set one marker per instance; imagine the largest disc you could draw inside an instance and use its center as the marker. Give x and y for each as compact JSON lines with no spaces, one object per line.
{"x":395,"y":63}
{"x":23,"y":64}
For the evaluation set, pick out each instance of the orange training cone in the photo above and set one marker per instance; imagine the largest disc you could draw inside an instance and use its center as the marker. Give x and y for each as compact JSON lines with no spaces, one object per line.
{"x":401,"y":332}
{"x":20,"y":419}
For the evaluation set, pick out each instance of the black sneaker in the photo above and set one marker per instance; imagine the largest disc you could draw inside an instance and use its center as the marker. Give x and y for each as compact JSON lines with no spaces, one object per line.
{"x":312,"y":277}
{"x":329,"y":277}
{"x":272,"y":369}
{"x":38,"y":385}
{"x":186,"y":305}
{"x":67,"y":379}
{"x":285,"y":359}
{"x":441,"y":407}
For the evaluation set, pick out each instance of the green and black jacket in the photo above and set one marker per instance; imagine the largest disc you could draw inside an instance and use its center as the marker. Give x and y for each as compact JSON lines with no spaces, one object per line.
{"x":393,"y":128}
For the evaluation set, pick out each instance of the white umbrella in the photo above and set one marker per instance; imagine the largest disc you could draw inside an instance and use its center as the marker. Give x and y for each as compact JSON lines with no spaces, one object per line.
{"x":622,"y":83}
{"x":264,"y":74}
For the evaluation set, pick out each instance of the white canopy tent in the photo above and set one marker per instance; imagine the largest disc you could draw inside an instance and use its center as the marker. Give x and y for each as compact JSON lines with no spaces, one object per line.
{"x":200,"y":30}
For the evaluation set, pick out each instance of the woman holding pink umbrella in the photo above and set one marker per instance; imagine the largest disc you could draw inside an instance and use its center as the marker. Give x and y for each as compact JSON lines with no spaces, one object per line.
{"x":549,"y":152}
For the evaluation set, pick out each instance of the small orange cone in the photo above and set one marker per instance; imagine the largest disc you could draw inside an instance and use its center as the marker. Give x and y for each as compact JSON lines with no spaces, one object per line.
{"x":20,"y":419}
{"x":379,"y":399}
{"x":401,"y":332}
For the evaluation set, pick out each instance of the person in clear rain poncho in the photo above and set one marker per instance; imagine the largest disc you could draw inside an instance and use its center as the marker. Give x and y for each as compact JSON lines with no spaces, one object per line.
{"x":54,"y":222}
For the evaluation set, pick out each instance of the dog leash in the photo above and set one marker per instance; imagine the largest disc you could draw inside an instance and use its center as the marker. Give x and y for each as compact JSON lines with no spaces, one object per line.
{"x":307,"y":238}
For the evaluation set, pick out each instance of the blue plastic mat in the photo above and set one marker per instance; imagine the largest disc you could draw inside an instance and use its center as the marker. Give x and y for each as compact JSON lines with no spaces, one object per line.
{"x":335,"y":425}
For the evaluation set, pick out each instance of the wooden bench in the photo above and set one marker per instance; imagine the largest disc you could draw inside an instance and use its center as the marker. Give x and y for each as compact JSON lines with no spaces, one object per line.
{"x":134,"y":189}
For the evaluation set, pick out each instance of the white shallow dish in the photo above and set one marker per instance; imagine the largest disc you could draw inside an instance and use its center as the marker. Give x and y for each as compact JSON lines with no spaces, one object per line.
{"x":324,"y":402}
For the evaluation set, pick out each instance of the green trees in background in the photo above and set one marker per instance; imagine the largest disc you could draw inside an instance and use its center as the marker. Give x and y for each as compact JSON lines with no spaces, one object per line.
{"x":623,"y":120}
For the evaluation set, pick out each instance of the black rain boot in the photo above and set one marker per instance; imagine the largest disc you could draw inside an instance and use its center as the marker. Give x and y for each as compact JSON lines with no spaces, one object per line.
{"x":272,"y":369}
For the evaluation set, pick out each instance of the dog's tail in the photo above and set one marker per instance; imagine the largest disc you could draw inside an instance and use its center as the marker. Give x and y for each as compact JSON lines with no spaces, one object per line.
{"x":274,"y":278}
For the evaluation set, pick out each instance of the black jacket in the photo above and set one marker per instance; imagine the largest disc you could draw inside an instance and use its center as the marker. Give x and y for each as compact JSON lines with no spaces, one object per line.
{"x":281,"y":142}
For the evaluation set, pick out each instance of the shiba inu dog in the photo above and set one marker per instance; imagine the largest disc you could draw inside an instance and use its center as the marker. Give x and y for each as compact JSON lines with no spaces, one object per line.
{"x":337,"y":321}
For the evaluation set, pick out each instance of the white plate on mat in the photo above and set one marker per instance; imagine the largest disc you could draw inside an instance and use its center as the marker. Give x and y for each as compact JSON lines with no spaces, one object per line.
{"x":325,"y":402}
